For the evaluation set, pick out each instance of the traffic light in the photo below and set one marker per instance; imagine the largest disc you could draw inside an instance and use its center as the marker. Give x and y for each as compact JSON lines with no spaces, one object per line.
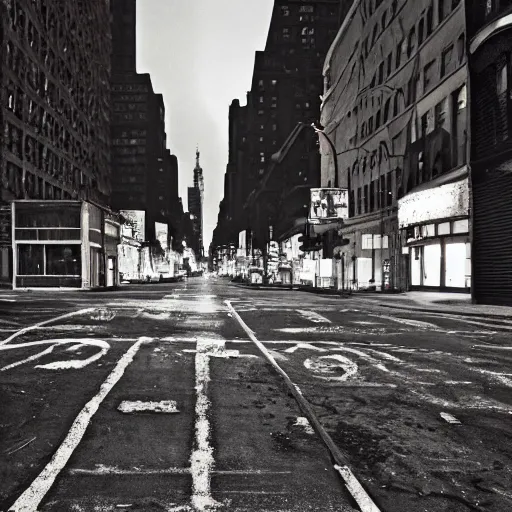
{"x":309,"y":244}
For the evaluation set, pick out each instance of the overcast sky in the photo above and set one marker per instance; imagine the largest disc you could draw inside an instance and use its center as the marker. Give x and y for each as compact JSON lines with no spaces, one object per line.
{"x":200,"y":54}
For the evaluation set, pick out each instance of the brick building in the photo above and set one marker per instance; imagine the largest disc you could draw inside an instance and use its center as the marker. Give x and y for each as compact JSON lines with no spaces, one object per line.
{"x":144,"y":172}
{"x":394,"y":106}
{"x":55,"y":104}
{"x":490,"y":37}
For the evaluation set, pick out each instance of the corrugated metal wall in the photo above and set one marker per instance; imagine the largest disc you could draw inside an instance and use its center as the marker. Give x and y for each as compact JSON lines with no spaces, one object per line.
{"x":492,"y":236}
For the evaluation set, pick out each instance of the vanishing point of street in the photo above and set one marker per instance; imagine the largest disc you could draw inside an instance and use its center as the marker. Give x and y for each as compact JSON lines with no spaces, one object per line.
{"x":168,"y":397}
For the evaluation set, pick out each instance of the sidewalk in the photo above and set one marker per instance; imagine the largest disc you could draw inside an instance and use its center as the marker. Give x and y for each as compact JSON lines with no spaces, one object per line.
{"x":429,"y":302}
{"x":436,"y":302}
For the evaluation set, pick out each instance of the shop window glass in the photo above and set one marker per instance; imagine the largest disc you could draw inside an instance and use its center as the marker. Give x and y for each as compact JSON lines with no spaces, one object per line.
{"x":63,"y":260}
{"x":455,"y":263}
{"x":443,"y":229}
{"x":30,"y":260}
{"x":432,"y":265}
{"x":461,"y":226}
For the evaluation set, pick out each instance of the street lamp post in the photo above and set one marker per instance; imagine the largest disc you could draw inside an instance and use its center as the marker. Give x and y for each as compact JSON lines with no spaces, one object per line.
{"x":333,"y":149}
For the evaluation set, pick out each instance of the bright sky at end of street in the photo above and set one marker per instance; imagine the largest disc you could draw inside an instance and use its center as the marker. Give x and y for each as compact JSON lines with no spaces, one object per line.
{"x":200,"y":54}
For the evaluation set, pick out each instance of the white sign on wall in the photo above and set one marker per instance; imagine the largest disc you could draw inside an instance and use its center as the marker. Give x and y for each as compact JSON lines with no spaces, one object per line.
{"x":451,"y":200}
{"x":161,"y":232}
{"x":138,"y":219}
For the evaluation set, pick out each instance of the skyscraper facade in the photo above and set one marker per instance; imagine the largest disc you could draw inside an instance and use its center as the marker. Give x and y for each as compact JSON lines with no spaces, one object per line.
{"x":195,"y":207}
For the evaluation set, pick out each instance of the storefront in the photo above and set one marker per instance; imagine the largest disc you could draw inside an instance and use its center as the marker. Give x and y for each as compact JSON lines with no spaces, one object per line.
{"x":63,"y":244}
{"x":435,"y":237}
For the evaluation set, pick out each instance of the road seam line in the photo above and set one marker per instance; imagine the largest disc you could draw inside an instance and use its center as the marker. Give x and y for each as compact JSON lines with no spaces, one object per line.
{"x":32,"y":497}
{"x":355,"y":489}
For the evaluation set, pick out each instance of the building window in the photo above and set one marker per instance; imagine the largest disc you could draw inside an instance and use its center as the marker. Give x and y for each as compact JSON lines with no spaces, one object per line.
{"x":428,"y":75}
{"x":372,"y":196}
{"x":411,"y":43}
{"x":430,"y":21}
{"x":262,"y":157}
{"x":359,"y":203}
{"x":398,"y":55}
{"x":63,"y":260}
{"x":386,"y":110}
{"x":365,"y":199}
{"x":30,"y":260}
{"x":459,"y":101}
{"x":421,"y":31}
{"x":285,"y":10}
{"x":447,"y":61}
{"x":502,"y":79}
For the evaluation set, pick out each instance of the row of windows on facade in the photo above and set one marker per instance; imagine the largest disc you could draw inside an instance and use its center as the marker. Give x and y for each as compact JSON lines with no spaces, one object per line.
{"x":52,"y":260}
{"x":43,"y":123}
{"x":35,"y":187}
{"x":401,"y":98}
{"x":378,"y":194}
{"x":29,"y":69}
{"x":41,"y":156}
{"x":42,"y":112}
{"x":417,"y":34}
{"x":493,"y":106}
{"x":61,"y":31}
{"x":119,"y":118}
{"x":437,"y":155}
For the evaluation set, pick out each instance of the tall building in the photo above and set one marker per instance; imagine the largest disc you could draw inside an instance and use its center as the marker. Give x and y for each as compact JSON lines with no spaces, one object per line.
{"x":285,"y":90}
{"x":55,"y":104}
{"x":395,"y":108}
{"x":490,"y":50}
{"x":142,"y":166}
{"x":195,"y":208}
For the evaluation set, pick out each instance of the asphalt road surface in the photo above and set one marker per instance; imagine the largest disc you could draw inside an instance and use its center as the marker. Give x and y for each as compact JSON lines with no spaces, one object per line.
{"x":177,"y":397}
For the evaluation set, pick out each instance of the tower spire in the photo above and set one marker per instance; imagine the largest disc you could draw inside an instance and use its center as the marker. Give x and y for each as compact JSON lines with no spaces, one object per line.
{"x":197,"y":157}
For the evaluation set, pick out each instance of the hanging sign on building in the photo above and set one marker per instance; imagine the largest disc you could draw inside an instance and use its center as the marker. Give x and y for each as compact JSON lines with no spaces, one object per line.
{"x":328,"y":205}
{"x":137,"y":218}
{"x":5,"y":225}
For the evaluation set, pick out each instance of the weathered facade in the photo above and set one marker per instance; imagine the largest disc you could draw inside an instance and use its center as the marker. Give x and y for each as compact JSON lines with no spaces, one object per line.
{"x":394,"y":106}
{"x":490,"y":37}
{"x":55,"y":102}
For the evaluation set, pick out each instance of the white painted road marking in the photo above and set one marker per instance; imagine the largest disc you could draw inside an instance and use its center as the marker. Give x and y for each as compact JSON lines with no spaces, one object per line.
{"x":32,"y":497}
{"x":328,"y":364}
{"x":164,"y":406}
{"x":354,"y":487}
{"x":58,"y":365}
{"x":313,"y":316}
{"x":46,"y":322}
{"x":449,"y":418}
{"x":201,"y":459}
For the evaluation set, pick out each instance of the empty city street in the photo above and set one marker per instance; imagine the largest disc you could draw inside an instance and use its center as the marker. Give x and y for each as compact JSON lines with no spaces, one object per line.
{"x":168,"y":397}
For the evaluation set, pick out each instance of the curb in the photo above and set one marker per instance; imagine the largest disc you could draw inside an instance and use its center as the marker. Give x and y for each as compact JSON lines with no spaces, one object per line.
{"x":448,"y":312}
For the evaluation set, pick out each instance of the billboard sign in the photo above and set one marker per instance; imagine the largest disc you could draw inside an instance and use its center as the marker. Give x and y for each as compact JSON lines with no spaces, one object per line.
{"x":137,"y":218}
{"x":328,"y":205}
{"x":161,"y":232}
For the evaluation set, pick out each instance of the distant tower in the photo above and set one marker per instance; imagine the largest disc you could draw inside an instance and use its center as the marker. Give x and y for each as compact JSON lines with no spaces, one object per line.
{"x":195,"y":207}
